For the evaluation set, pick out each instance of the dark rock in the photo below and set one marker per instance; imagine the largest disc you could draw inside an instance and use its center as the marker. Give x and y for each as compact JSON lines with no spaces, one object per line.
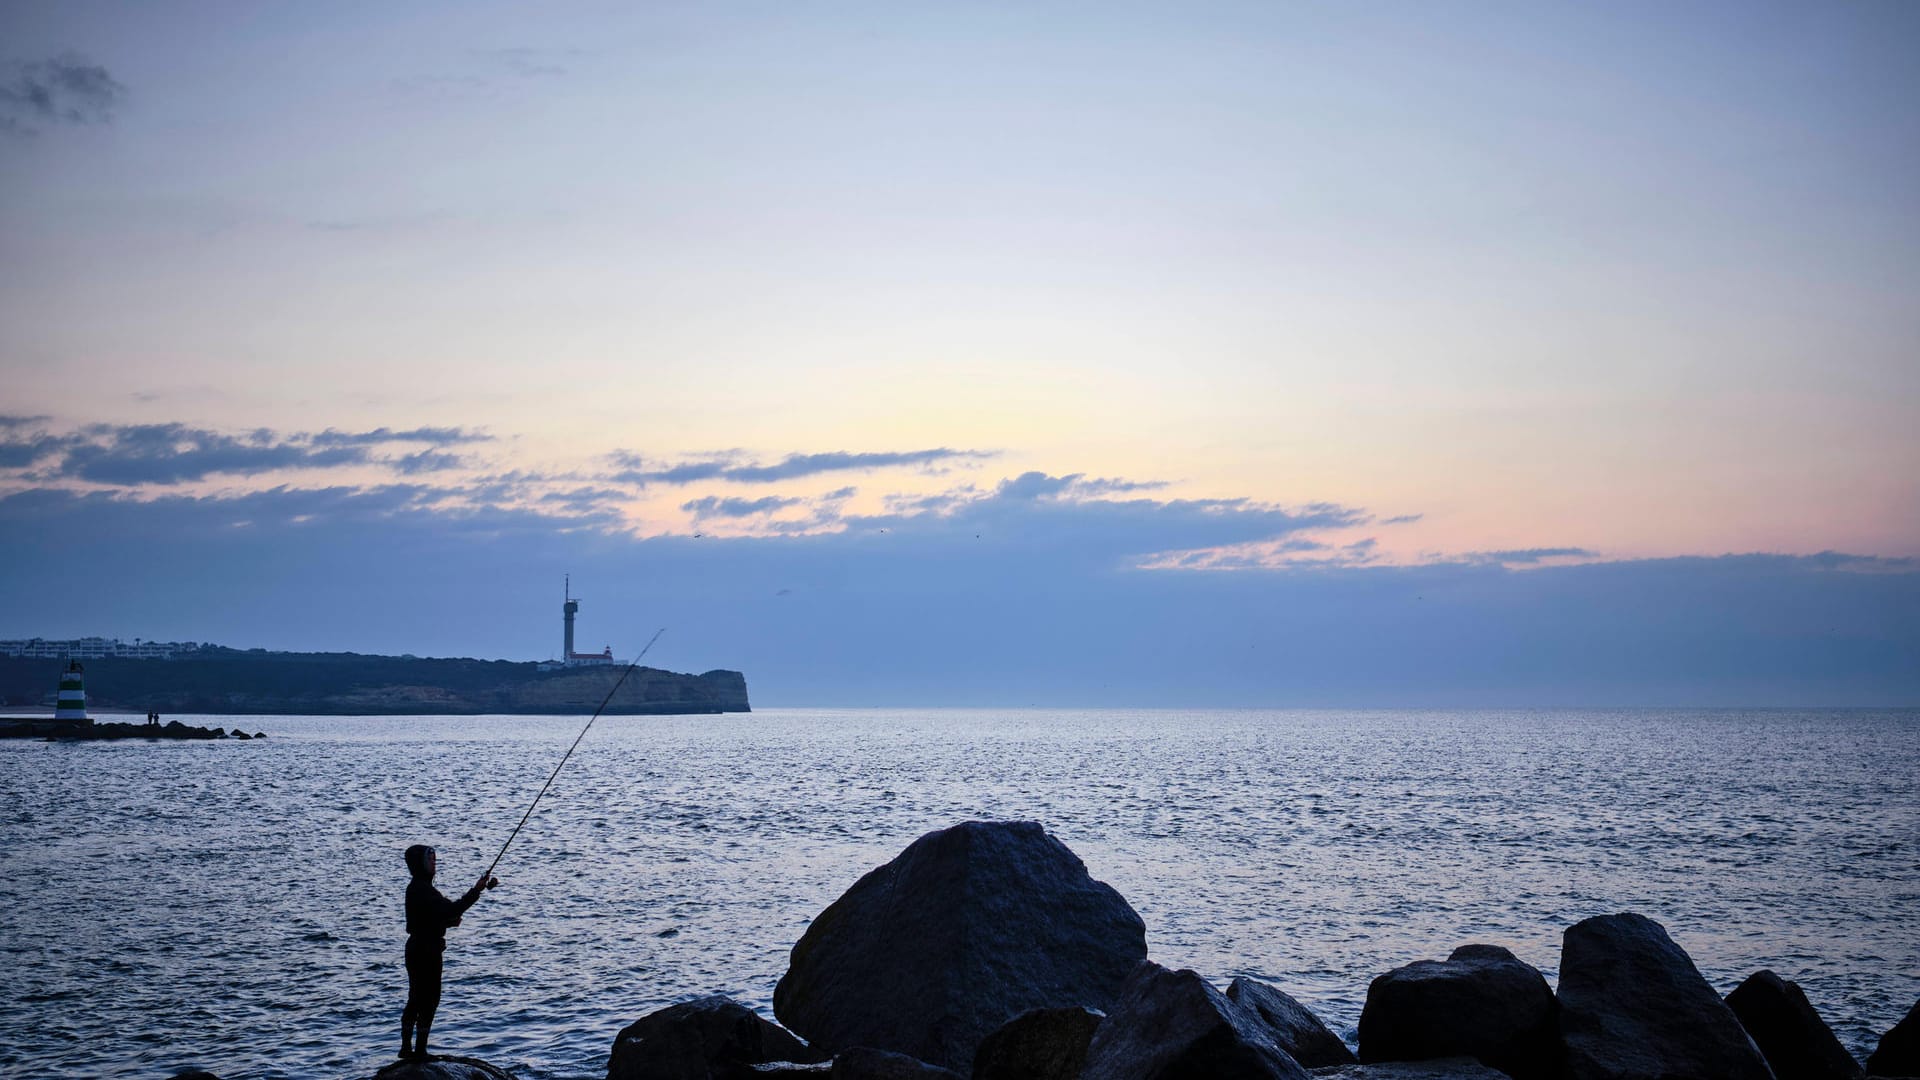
{"x":1633,"y":1007}
{"x":866,"y":1063}
{"x":1295,"y":1028}
{"x":1040,"y":1044}
{"x":1172,"y":1025}
{"x":448,"y":1067}
{"x":710,"y":1038}
{"x":1481,"y":1002}
{"x":1899,"y":1051}
{"x":259,"y":734}
{"x":790,"y":1070}
{"x":1453,"y":1068}
{"x":1797,"y":1044}
{"x":238,"y":734}
{"x":964,"y":930}
{"x":195,"y":1074}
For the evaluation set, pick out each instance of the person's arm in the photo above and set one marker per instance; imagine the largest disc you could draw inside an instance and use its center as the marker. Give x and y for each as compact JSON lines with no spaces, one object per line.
{"x":453,"y":909}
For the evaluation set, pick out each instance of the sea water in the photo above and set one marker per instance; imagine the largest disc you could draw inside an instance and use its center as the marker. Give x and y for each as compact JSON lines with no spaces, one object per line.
{"x":236,"y":906}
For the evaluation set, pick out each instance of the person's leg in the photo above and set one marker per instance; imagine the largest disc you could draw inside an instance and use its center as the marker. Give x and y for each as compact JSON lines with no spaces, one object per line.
{"x":411,"y":1014}
{"x":429,"y":1002}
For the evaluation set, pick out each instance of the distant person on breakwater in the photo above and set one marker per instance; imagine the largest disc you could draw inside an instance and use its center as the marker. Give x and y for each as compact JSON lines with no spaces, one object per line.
{"x":428,"y":915}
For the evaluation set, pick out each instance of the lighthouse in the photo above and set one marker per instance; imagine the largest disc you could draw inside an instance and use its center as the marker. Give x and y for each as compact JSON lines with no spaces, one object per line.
{"x":568,"y":609}
{"x":71,"y":704}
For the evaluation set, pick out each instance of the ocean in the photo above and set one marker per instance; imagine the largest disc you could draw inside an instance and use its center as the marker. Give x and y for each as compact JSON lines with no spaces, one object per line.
{"x":236,"y":906}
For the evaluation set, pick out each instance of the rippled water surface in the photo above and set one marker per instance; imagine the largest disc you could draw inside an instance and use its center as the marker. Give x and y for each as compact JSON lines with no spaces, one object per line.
{"x":237,"y":906}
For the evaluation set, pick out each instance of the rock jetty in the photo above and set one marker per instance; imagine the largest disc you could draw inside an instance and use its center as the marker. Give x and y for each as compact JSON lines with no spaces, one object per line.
{"x":987,"y":950}
{"x":41,"y":728}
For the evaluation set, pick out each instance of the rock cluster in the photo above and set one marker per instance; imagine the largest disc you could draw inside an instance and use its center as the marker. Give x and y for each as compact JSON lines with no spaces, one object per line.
{"x":987,"y":951}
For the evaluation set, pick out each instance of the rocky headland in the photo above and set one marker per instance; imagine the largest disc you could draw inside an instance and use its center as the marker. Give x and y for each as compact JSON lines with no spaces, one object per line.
{"x":216,"y":681}
{"x":986,"y":950}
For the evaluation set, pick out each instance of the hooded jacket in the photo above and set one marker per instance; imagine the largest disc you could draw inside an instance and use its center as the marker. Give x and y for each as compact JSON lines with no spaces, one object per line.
{"x":428,"y":912}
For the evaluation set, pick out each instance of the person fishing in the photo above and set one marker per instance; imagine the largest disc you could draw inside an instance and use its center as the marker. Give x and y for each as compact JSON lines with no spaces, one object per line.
{"x":429,"y":914}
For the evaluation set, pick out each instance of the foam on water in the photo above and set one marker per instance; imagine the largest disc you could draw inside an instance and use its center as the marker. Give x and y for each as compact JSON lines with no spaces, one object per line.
{"x":236,"y":906}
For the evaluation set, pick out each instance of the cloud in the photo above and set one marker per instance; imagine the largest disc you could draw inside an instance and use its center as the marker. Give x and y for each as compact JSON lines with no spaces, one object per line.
{"x":1038,"y":485}
{"x":23,"y":451}
{"x":1841,"y":561}
{"x":1290,"y":553}
{"x":162,"y":454}
{"x":1527,"y":556}
{"x":590,"y":501}
{"x":437,"y":436}
{"x":67,"y":89}
{"x":927,"y":615}
{"x":427,"y":461}
{"x":714,"y":506}
{"x":1056,"y":518}
{"x":728,"y":466}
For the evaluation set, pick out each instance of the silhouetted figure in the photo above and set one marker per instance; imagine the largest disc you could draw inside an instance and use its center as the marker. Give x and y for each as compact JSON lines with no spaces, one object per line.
{"x":428,"y":916}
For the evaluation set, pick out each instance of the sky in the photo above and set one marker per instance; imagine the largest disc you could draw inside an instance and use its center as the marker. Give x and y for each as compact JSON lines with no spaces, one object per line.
{"x":1215,"y":354}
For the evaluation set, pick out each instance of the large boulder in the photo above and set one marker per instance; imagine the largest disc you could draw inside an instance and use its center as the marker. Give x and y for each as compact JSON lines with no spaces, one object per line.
{"x":438,"y":1067}
{"x":1899,"y":1051}
{"x":1797,"y":1044}
{"x":1173,"y":1025}
{"x":1633,"y":1007}
{"x":964,"y":930}
{"x":866,"y":1063}
{"x":1480,"y":1002}
{"x":1295,"y":1028}
{"x":709,"y":1038}
{"x":1040,"y":1044}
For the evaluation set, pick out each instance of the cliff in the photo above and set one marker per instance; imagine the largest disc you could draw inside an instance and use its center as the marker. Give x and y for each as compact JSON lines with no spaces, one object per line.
{"x":229,"y":681}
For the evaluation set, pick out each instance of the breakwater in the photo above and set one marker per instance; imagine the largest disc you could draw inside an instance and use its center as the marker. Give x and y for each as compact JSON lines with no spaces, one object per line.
{"x":257,"y":682}
{"x":29,"y":727}
{"x":987,"y":951}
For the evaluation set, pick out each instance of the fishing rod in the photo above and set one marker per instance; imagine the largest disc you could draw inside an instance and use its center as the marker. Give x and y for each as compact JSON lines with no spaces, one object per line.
{"x":571,"y":749}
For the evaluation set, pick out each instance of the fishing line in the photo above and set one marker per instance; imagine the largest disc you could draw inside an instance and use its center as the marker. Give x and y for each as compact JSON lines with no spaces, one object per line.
{"x":571,"y":749}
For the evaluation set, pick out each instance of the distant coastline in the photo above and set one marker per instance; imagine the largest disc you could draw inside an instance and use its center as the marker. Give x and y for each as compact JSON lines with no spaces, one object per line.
{"x":222,"y":681}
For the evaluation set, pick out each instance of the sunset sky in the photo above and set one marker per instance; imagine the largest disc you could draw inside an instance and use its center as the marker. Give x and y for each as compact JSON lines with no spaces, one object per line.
{"x":1341,"y":353}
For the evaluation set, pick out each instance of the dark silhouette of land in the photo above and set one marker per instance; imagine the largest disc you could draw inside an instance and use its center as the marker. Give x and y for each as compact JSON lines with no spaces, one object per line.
{"x":228,"y":681}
